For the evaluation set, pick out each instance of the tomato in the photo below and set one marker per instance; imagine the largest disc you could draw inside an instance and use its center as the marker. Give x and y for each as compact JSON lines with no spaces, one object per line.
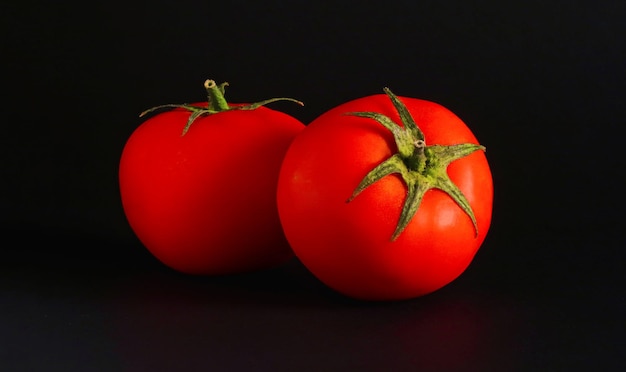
{"x":385,"y":197}
{"x":204,"y":202}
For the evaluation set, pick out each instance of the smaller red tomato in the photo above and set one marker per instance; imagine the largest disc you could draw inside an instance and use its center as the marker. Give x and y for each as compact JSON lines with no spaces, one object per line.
{"x":198,"y":185}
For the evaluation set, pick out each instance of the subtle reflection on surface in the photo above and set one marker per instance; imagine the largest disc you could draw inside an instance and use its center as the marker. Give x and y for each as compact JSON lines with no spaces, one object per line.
{"x":284,"y":319}
{"x":527,"y":313}
{"x":459,"y":332}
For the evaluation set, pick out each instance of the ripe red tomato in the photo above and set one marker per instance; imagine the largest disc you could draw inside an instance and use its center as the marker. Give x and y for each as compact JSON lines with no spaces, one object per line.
{"x":385,"y":197}
{"x":205,"y":202}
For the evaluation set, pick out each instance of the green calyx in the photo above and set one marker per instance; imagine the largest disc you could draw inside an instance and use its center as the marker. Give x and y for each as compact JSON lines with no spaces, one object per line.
{"x":216,"y":104}
{"x":422,"y":167}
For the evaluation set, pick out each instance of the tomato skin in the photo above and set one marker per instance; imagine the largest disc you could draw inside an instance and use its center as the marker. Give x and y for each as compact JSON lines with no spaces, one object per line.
{"x":347,"y":246}
{"x":204,"y":203}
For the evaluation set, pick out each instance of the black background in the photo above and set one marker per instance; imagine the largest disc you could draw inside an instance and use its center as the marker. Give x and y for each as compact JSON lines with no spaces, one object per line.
{"x":540,"y":83}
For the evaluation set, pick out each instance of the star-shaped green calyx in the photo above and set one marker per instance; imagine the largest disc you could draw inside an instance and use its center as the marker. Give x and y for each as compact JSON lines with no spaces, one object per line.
{"x":422,"y":167}
{"x":216,"y":103}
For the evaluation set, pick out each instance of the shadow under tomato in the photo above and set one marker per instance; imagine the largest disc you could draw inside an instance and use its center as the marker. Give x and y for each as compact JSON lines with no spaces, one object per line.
{"x":283,"y":319}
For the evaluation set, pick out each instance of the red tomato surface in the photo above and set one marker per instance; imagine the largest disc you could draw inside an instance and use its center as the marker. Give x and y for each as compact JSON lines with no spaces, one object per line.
{"x":205,"y":202}
{"x":347,"y":245}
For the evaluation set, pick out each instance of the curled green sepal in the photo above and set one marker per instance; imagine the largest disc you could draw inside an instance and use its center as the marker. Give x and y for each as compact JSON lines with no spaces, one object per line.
{"x":420,"y":166}
{"x":216,"y":103}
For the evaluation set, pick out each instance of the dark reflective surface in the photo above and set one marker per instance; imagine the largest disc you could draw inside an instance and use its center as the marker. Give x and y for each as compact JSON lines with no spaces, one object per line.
{"x":74,"y":315}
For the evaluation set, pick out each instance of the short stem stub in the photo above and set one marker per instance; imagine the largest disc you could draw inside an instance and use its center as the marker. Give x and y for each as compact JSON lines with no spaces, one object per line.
{"x":215,"y":93}
{"x":421,"y":167}
{"x":417,"y":161}
{"x":216,"y":103}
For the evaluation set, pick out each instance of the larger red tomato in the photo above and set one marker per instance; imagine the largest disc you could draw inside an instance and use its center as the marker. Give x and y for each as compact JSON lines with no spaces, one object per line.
{"x":205,"y":202}
{"x":385,"y":197}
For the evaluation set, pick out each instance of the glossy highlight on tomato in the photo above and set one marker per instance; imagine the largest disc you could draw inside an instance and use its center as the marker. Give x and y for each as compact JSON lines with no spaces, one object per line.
{"x":352,"y":238}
